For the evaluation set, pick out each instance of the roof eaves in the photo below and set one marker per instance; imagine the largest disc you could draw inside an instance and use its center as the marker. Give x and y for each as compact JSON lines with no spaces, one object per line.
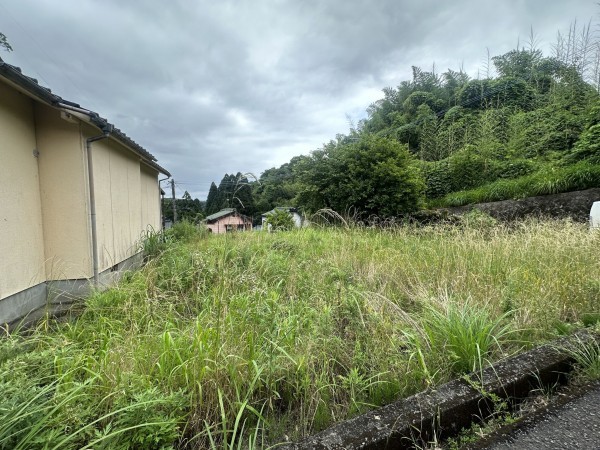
{"x":31,"y":85}
{"x":158,"y":167}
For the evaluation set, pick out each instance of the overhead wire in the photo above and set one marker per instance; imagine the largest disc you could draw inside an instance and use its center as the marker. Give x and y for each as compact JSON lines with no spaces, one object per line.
{"x":57,"y":64}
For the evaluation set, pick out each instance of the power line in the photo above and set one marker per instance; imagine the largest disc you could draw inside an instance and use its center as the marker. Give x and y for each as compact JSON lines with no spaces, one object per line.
{"x":58,"y":65}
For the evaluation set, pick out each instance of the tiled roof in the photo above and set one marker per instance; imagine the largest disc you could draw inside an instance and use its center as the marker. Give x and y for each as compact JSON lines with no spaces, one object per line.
{"x":218,"y":215}
{"x":31,"y":85}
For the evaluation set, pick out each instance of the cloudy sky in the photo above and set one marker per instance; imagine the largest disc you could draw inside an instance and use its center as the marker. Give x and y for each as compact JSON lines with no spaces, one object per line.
{"x":211,"y":87}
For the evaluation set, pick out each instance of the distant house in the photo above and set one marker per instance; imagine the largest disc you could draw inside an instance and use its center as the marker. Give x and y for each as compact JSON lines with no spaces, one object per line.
{"x":298,"y":219}
{"x":76,"y":194}
{"x":226,"y":220}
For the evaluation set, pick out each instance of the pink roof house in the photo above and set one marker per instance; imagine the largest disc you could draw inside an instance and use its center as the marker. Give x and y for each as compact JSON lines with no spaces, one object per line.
{"x":226,"y":220}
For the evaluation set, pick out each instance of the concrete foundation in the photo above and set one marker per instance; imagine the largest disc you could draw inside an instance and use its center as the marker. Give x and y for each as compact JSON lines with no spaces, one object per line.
{"x":19,"y":305}
{"x":56,"y":297}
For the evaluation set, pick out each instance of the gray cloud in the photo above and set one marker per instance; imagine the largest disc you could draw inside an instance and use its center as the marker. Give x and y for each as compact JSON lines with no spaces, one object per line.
{"x":215,"y":87}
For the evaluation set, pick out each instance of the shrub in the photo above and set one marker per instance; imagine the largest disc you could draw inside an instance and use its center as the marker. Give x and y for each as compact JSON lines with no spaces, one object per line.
{"x":438,"y":179}
{"x":185,"y":231}
{"x":280,"y":220}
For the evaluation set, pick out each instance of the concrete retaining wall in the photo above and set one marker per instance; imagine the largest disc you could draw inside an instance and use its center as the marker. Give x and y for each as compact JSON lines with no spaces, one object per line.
{"x":575,"y":204}
{"x":443,"y":412}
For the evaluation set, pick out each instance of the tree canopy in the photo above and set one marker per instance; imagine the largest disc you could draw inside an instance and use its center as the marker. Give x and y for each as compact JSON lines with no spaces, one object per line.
{"x":4,"y":43}
{"x":188,"y":209}
{"x":234,"y":191}
{"x":438,"y":135}
{"x":372,"y":175}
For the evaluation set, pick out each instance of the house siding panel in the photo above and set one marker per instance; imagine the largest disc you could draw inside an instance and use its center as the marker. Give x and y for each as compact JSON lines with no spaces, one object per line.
{"x":118,"y":209}
{"x":21,"y":231}
{"x":64,"y":194}
{"x":150,"y":199}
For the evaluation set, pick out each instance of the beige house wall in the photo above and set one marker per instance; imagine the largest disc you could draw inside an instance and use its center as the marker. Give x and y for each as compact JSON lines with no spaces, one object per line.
{"x":21,"y":231}
{"x":64,"y":195}
{"x":150,"y":199}
{"x":127,"y":200}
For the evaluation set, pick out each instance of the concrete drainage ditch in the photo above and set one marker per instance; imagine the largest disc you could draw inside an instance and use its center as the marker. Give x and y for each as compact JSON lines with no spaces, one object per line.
{"x":442,"y":413}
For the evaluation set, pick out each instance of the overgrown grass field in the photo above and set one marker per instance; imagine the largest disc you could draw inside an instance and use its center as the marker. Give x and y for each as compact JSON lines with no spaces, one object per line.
{"x":247,"y":340}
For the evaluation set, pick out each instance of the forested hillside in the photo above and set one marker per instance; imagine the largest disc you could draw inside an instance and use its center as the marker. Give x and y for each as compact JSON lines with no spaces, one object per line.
{"x":528,"y":125}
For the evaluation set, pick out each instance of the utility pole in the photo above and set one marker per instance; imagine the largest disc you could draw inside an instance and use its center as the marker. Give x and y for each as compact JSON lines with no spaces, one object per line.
{"x":174,"y":205}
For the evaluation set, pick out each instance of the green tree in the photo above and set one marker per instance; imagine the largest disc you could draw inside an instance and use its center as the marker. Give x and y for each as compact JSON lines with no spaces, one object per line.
{"x":278,"y":186}
{"x":453,"y":131}
{"x":224,"y":198}
{"x":588,"y":146}
{"x":475,"y":94}
{"x":211,"y":200}
{"x":532,"y":114}
{"x":518,"y":63}
{"x":428,"y":127}
{"x":234,"y":191}
{"x":544,"y":130}
{"x":374,"y":175}
{"x":187,"y":208}
{"x":242,"y":198}
{"x":418,"y":98}
{"x":4,"y":43}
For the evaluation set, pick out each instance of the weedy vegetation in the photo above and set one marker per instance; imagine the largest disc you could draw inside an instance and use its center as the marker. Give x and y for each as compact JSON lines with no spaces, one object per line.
{"x":550,"y":179}
{"x":247,"y":340}
{"x":587,"y":359}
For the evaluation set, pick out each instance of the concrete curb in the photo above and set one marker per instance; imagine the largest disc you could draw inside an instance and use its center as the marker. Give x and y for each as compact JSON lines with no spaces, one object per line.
{"x":443,"y":412}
